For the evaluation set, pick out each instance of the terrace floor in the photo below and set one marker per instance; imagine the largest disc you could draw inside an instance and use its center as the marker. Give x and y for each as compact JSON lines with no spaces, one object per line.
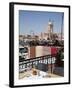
{"x":40,"y":74}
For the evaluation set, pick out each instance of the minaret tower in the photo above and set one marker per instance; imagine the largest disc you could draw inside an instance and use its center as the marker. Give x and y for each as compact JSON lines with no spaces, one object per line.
{"x":50,"y":29}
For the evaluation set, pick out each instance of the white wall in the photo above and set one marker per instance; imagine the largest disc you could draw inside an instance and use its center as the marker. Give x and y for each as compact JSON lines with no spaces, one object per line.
{"x":42,"y":50}
{"x":4,"y":43}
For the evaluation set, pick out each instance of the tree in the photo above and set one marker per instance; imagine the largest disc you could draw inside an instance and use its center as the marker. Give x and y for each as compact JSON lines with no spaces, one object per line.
{"x":59,"y":57}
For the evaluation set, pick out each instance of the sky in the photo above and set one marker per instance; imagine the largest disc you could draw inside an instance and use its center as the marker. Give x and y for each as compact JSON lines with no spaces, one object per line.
{"x":37,"y":21}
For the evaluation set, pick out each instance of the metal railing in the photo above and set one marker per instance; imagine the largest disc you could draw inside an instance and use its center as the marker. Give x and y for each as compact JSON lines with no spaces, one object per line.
{"x":28,"y":64}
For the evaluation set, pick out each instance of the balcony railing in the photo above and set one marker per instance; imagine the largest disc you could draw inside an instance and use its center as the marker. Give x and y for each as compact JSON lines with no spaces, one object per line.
{"x":41,"y":62}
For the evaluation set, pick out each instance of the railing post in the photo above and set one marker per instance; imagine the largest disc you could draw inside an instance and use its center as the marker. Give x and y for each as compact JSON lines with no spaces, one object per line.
{"x":32,"y":64}
{"x":51,"y":64}
{"x":47,"y":62}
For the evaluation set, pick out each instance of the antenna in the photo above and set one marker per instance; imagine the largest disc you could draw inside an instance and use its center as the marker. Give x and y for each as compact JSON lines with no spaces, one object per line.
{"x":62,"y":26}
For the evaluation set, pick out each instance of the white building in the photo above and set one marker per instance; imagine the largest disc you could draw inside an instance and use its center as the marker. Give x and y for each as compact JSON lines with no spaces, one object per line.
{"x":48,"y":34}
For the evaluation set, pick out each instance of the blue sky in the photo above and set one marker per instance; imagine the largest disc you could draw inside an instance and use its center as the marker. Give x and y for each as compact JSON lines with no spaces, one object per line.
{"x":37,"y":21}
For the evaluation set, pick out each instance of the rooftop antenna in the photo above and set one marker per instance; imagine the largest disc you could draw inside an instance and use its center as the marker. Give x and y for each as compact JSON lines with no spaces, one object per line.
{"x":62,"y":26}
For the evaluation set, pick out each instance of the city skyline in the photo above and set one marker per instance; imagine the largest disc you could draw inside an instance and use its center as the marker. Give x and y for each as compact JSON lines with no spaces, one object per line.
{"x":37,"y":21}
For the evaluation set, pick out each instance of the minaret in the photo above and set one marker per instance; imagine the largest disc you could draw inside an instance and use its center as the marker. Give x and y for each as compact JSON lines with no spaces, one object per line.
{"x":50,"y":29}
